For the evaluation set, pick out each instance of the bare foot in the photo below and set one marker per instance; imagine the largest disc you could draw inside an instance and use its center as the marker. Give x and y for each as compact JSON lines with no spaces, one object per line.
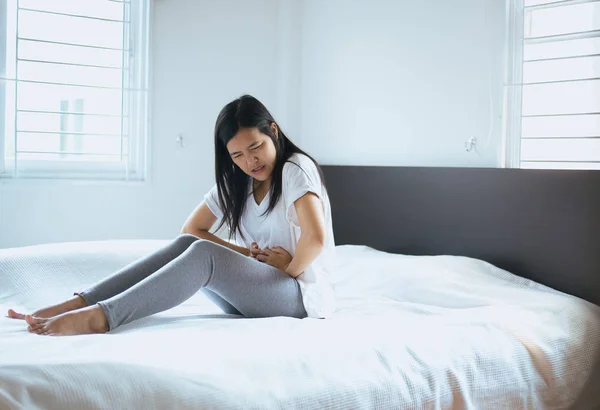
{"x":87,"y":320}
{"x":76,"y":302}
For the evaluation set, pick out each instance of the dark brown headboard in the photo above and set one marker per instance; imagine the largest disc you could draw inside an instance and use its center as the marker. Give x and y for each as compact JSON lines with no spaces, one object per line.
{"x":539,"y":224}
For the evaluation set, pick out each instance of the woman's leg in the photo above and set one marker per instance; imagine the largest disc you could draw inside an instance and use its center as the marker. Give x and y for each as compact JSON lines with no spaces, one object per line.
{"x":137,"y":271}
{"x":220,"y":302}
{"x":119,"y":281}
{"x":253,"y":288}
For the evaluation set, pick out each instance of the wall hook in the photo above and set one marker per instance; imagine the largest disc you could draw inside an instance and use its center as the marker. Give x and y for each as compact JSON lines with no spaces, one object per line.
{"x":470,"y":144}
{"x":179,"y":140}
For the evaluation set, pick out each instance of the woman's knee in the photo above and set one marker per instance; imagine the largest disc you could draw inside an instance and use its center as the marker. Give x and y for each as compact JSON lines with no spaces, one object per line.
{"x":186,"y":239}
{"x":205,"y":247}
{"x":202,"y":245}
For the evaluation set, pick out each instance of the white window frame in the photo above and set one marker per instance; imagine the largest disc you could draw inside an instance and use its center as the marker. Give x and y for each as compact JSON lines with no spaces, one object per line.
{"x":2,"y":86}
{"x":513,"y":91}
{"x":135,"y":167}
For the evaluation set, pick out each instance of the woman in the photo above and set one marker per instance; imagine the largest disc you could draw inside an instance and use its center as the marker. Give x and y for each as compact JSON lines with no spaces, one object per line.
{"x":271,"y":196}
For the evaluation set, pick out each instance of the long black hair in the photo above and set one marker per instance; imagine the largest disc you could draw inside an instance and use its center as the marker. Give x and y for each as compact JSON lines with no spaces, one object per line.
{"x":232,"y":183}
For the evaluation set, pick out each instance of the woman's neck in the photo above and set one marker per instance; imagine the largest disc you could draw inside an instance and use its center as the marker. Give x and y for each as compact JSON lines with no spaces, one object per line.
{"x":260,"y":190}
{"x":261,"y":185}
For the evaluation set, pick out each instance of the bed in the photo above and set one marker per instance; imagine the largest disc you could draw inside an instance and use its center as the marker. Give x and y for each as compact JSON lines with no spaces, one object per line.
{"x":431,"y":312}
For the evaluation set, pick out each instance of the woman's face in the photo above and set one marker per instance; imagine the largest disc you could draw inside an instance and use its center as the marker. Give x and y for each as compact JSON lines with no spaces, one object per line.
{"x":254,"y":152}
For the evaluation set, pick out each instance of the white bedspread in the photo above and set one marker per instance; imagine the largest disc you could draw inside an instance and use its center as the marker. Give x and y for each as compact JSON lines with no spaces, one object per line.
{"x":410,"y":332}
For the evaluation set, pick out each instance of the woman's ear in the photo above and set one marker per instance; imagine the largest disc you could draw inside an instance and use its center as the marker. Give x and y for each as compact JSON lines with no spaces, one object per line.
{"x":275,"y":129}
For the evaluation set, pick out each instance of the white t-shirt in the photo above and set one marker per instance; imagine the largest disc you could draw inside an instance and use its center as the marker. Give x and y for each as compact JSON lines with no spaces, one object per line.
{"x":280,"y":227}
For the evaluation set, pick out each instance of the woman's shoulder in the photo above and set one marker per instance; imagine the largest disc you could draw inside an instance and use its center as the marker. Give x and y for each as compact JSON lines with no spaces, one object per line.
{"x":299,"y":163}
{"x":300,"y":170}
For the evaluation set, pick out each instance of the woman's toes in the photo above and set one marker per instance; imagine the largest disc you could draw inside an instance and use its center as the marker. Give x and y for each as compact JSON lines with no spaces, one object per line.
{"x":32,"y":320}
{"x":15,"y":315}
{"x":35,"y":327}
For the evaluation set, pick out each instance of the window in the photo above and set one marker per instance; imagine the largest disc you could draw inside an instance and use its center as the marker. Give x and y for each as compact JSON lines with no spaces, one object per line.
{"x":74,"y":88}
{"x":553,"y":92}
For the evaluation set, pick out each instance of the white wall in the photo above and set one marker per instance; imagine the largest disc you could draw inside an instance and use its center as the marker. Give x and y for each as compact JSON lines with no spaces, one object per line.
{"x":206,"y":53}
{"x":352,"y":81}
{"x":401,"y":82}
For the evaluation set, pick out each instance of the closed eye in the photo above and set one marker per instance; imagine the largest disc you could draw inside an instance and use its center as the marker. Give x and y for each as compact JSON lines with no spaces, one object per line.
{"x":255,"y":148}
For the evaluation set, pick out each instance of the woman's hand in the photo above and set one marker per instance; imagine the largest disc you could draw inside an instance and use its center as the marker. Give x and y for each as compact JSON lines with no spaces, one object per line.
{"x":276,"y":257}
{"x":254,"y":250}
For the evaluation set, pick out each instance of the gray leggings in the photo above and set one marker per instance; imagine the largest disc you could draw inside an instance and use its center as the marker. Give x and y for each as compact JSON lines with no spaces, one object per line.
{"x":173,"y":274}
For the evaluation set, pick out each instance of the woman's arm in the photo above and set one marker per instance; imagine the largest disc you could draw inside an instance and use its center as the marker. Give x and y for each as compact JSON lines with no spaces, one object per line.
{"x":199,"y":223}
{"x":313,"y":233}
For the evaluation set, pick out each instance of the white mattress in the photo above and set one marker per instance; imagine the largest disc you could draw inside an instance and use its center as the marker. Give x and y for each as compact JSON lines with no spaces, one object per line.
{"x":410,"y":332}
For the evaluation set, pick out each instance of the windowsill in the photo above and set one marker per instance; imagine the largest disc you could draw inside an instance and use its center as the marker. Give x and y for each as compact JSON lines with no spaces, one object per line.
{"x":8,"y":180}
